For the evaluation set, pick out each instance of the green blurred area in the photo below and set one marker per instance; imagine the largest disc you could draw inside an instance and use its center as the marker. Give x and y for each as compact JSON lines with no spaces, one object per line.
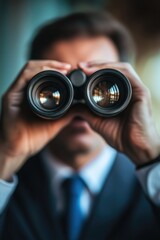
{"x":19,"y":20}
{"x":149,"y":71}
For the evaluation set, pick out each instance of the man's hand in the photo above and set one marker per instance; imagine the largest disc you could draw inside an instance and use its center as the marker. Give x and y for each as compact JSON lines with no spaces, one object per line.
{"x":133,"y":131}
{"x":22,"y":134}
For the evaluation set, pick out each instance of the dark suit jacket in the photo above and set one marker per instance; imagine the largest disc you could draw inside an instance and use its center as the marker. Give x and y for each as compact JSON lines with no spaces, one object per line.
{"x":120,"y":212}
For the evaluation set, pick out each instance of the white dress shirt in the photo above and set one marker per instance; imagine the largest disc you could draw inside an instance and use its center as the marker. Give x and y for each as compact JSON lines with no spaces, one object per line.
{"x":149,"y":178}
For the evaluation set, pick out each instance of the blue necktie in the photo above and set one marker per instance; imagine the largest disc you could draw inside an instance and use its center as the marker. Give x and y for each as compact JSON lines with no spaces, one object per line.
{"x":73,"y":217}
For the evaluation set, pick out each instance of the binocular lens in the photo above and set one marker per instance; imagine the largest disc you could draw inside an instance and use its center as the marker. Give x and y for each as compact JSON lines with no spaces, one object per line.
{"x":50,"y":94}
{"x":105,"y":94}
{"x":108,"y":92}
{"x":50,"y":97}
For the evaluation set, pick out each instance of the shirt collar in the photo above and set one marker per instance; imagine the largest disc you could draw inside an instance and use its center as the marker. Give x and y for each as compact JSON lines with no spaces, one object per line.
{"x":96,"y":171}
{"x":93,"y":173}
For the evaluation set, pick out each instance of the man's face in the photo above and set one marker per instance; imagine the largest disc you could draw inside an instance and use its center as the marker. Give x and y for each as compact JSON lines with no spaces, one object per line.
{"x":78,"y":137}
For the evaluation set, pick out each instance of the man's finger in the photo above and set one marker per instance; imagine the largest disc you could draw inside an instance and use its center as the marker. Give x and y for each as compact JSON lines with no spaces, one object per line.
{"x":27,"y":74}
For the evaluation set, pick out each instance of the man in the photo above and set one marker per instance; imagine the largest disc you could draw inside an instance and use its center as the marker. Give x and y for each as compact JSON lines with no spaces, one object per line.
{"x":112,"y":205}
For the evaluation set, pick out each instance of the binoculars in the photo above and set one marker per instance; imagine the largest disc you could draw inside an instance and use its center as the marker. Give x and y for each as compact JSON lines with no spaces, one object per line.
{"x":106,"y":92}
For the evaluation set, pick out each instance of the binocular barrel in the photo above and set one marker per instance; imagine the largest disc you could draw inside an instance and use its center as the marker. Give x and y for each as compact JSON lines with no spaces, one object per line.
{"x":106,"y":92}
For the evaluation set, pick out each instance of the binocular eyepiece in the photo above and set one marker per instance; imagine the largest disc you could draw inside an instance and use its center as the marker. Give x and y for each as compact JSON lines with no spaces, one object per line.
{"x":106,"y":92}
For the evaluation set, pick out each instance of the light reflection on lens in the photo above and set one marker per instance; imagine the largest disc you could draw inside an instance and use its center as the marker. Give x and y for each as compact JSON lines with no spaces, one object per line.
{"x":49,"y":98}
{"x":105,"y":94}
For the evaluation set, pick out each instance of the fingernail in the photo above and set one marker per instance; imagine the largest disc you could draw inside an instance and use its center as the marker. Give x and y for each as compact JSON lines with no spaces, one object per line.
{"x":67,"y":65}
{"x":83,"y":64}
{"x":64,"y":71}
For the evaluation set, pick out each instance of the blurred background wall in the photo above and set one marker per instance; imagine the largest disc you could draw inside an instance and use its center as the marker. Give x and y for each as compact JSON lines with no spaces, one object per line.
{"x":142,"y":18}
{"x":19,"y":20}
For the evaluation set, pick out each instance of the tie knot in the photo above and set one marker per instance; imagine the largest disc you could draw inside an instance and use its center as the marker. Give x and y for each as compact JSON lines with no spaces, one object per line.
{"x":74,"y":185}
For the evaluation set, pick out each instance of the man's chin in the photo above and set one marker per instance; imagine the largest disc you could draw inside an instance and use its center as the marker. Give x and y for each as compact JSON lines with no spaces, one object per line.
{"x":77,"y":138}
{"x":79,"y":150}
{"x":75,"y":141}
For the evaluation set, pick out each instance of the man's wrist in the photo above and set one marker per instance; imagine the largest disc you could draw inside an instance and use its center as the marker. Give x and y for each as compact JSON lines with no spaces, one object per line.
{"x":7,"y":166}
{"x":146,"y":154}
{"x":9,"y":162}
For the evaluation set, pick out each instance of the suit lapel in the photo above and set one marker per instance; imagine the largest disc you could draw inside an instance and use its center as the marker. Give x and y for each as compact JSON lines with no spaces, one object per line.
{"x":112,"y":203}
{"x":42,"y":216}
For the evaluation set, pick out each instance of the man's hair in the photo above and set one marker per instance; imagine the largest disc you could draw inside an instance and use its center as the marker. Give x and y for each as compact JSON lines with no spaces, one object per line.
{"x":87,"y":24}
